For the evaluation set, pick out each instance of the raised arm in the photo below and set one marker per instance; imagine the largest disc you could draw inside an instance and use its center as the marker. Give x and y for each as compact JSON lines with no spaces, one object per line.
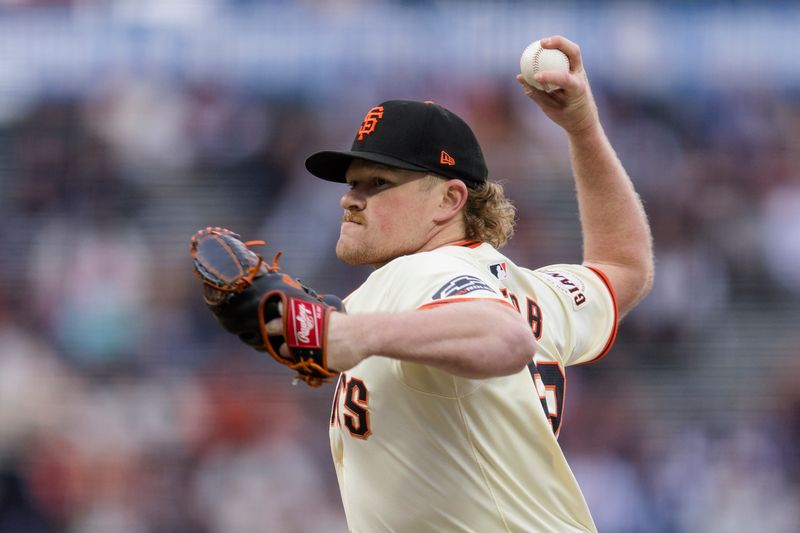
{"x":616,"y":235}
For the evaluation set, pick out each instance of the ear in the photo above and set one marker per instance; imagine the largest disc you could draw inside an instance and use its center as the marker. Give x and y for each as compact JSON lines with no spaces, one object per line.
{"x":452,"y":200}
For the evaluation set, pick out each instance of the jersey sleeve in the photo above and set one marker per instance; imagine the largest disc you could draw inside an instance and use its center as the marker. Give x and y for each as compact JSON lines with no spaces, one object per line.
{"x":425,"y":281}
{"x":581,"y":311}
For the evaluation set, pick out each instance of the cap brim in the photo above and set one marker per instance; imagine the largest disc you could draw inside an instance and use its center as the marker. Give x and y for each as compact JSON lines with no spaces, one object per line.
{"x":332,"y":166}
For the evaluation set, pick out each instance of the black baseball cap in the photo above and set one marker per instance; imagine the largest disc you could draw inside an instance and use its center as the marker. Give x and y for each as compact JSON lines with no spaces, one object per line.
{"x":411,"y":135}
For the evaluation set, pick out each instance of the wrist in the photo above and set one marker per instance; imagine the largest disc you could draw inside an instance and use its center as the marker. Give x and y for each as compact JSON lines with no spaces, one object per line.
{"x":588,"y":131}
{"x":346,"y":343}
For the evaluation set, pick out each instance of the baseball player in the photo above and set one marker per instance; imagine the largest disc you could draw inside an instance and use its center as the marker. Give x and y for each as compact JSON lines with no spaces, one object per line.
{"x":453,"y":358}
{"x":446,"y":416}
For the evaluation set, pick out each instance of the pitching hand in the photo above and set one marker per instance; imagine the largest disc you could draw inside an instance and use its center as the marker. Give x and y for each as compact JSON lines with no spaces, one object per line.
{"x":572,"y":106}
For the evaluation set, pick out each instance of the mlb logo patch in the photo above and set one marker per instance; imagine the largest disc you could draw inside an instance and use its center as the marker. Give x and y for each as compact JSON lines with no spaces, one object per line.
{"x":499,"y":270}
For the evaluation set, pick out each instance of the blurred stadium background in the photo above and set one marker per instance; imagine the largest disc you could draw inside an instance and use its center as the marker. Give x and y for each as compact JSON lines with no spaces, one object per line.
{"x":125,"y":125}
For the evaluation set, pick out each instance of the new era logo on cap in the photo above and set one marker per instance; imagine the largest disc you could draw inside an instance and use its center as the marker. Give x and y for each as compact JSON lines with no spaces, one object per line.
{"x":410,"y":135}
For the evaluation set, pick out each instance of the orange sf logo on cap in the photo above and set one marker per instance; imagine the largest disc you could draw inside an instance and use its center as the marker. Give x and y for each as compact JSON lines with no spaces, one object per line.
{"x":370,"y":121}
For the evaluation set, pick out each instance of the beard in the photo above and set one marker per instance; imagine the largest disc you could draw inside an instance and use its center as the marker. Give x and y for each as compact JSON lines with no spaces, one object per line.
{"x":362,"y":254}
{"x":352,"y":256}
{"x":360,"y":251}
{"x":354,"y":251}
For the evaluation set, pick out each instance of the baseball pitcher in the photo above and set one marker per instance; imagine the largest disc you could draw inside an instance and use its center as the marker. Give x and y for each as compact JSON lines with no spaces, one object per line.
{"x":450,"y":361}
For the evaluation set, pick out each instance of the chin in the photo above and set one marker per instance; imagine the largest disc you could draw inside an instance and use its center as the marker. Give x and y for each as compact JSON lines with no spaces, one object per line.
{"x":349,"y":258}
{"x":359,"y":255}
{"x":350,"y":255}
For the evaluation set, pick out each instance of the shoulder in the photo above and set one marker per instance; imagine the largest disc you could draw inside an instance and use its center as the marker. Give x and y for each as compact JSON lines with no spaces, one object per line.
{"x":440,"y":274}
{"x":442,"y":259}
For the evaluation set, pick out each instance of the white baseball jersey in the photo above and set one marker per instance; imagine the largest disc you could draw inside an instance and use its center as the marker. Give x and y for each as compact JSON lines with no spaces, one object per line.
{"x":419,"y":450}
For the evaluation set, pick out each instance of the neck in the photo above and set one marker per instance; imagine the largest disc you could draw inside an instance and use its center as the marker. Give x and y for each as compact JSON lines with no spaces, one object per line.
{"x":440,"y":235}
{"x":449,"y":233}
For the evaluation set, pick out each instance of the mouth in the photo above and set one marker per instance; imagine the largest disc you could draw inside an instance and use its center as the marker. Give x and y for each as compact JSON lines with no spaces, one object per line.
{"x":349,"y":227}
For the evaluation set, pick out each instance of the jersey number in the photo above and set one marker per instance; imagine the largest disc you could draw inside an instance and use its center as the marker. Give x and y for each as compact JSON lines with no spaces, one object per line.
{"x":533,"y":313}
{"x":550,"y":385}
{"x":548,"y":377}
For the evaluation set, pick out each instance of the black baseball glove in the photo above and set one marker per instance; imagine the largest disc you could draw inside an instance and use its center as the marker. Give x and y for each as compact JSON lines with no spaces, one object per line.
{"x":245,"y":293}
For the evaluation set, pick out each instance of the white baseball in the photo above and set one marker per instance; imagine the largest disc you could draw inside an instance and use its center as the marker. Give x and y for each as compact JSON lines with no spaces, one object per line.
{"x":537,"y":59}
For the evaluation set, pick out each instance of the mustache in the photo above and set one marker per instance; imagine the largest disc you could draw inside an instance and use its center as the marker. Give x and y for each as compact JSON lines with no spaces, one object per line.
{"x":349,"y":216}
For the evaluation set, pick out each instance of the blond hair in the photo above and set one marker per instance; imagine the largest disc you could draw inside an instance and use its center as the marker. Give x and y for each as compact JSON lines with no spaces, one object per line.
{"x":488,"y":215}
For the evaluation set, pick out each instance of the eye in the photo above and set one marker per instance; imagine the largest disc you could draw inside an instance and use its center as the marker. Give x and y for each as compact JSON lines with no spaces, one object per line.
{"x":369,"y":184}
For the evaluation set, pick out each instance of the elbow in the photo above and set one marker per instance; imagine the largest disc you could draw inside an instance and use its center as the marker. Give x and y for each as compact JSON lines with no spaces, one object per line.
{"x":649,"y":277}
{"x":518,"y":348}
{"x":646,"y":276}
{"x":499,"y":343}
{"x":638,"y":284}
{"x":647,"y":269}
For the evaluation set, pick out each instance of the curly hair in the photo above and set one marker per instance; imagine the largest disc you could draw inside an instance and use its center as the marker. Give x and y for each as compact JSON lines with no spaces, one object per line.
{"x":488,"y":215}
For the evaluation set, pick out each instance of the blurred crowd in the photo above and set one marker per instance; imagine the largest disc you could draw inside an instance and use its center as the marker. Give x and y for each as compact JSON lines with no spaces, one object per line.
{"x":125,"y":409}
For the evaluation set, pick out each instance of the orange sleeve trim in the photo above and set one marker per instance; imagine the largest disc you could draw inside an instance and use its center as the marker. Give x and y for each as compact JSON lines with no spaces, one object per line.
{"x":431,"y":305}
{"x":613,"y":336}
{"x":468,"y":244}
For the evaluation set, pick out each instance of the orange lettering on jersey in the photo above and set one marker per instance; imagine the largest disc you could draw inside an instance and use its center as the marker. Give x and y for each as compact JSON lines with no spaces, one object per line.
{"x":370,"y":121}
{"x":446,"y":159}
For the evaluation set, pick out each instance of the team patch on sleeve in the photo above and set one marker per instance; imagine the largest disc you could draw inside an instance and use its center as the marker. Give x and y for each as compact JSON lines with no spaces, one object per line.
{"x":568,"y":284}
{"x":460,"y":286}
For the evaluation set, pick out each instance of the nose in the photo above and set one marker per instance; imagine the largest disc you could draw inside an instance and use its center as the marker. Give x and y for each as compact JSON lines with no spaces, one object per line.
{"x":352,"y":201}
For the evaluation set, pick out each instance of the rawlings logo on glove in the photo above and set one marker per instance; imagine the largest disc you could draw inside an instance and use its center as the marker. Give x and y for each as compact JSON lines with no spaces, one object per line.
{"x":308,"y":323}
{"x":245,"y":294}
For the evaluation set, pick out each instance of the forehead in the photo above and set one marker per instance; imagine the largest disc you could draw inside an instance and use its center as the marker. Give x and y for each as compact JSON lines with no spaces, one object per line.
{"x":360,"y":169}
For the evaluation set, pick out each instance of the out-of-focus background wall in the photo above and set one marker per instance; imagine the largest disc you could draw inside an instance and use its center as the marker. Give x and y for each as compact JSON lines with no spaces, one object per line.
{"x":126,"y":125}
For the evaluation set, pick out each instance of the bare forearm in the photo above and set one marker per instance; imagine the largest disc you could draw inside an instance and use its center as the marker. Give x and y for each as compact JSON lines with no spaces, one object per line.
{"x":615,"y":228}
{"x":469,"y":339}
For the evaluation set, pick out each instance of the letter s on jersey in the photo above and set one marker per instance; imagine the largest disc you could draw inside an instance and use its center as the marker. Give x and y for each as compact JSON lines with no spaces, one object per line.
{"x":356,"y":404}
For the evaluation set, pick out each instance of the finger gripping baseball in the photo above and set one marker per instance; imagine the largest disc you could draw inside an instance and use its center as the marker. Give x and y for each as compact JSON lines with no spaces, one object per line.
{"x":245,"y":293}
